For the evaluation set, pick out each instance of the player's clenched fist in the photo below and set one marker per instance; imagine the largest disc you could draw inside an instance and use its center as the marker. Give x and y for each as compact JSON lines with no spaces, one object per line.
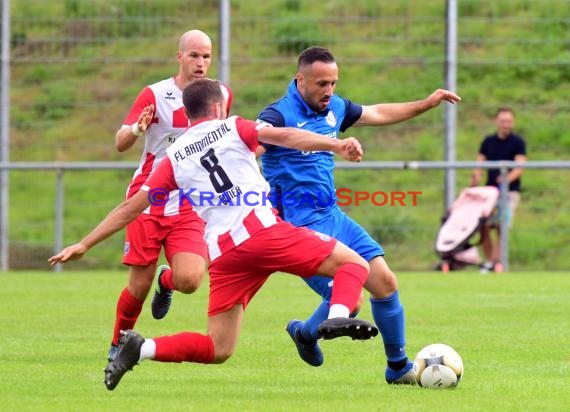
{"x":352,"y":149}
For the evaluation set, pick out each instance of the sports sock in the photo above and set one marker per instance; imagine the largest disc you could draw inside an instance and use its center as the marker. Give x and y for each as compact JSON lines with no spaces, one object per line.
{"x":166,"y":279}
{"x":398,"y":365}
{"x":388,"y":314}
{"x":148,"y":349}
{"x":356,"y":276}
{"x":184,"y":347}
{"x":348,"y":281}
{"x":309,"y":327}
{"x":338,"y":311}
{"x":128,"y":311}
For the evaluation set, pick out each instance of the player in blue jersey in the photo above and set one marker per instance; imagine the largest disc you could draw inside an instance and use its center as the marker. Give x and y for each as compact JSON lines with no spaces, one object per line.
{"x":302,"y":186}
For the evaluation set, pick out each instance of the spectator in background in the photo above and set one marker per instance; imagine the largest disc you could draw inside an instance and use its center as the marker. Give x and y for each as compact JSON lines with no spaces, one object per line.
{"x":503,"y":145}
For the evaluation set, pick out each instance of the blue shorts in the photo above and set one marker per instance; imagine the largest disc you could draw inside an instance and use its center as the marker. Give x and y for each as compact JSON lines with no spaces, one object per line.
{"x":346,"y":230}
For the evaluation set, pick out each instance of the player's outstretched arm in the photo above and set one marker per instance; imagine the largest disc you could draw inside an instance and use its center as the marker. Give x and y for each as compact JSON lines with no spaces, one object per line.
{"x":390,"y":113}
{"x":349,"y":149}
{"x":116,"y":220}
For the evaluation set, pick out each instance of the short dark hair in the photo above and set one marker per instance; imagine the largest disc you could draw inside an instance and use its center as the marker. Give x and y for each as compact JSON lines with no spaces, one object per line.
{"x":503,"y":109}
{"x":199,"y":95}
{"x":314,"y":54}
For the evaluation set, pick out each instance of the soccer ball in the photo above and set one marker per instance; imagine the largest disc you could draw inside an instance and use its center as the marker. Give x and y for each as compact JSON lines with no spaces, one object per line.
{"x":438,"y":366}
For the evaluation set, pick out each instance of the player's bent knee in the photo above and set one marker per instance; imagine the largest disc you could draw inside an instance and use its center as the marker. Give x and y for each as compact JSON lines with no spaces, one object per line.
{"x":347,"y":255}
{"x":391,"y":282}
{"x":360,"y":261}
{"x":356,"y":259}
{"x":222,"y":355}
{"x":382,"y":282}
{"x":187,"y":282}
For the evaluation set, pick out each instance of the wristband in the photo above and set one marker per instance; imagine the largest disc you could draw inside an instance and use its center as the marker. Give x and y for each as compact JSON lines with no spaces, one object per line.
{"x":135,"y":129}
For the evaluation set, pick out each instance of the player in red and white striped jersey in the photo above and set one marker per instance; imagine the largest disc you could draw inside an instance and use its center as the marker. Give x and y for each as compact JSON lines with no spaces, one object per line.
{"x":166,"y":121}
{"x":158,"y":117}
{"x":211,"y":163}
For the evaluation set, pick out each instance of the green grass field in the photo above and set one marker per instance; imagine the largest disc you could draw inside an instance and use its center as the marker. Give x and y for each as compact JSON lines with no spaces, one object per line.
{"x":512,"y":331}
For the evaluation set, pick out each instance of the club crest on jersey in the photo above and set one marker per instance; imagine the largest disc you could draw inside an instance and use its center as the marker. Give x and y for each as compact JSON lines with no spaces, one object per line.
{"x":323,"y":237}
{"x":126,"y":248}
{"x":170,"y":96}
{"x":331,"y":119}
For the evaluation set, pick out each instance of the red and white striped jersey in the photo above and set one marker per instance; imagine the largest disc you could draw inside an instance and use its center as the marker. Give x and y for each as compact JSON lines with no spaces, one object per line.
{"x":213,"y":166}
{"x":168,"y":124}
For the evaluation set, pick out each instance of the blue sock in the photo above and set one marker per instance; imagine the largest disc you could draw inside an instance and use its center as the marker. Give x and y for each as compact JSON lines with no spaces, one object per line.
{"x":388,"y":314}
{"x":310,"y":326}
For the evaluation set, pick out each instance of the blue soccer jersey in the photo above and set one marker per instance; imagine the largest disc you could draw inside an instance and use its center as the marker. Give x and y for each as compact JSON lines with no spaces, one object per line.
{"x":302,"y":183}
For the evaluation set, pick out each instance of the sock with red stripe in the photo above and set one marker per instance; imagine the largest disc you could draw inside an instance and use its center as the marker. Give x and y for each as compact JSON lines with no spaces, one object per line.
{"x":128,"y":311}
{"x":184,"y":347}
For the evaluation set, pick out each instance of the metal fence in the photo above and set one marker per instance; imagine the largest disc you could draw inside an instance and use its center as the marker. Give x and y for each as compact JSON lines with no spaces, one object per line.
{"x":75,"y":66}
{"x":63,"y":168}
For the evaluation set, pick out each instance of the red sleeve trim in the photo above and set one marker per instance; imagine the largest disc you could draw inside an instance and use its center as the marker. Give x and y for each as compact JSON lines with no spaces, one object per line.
{"x":229,"y":99}
{"x":247,"y":130}
{"x":161,"y":178}
{"x":145,"y":98}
